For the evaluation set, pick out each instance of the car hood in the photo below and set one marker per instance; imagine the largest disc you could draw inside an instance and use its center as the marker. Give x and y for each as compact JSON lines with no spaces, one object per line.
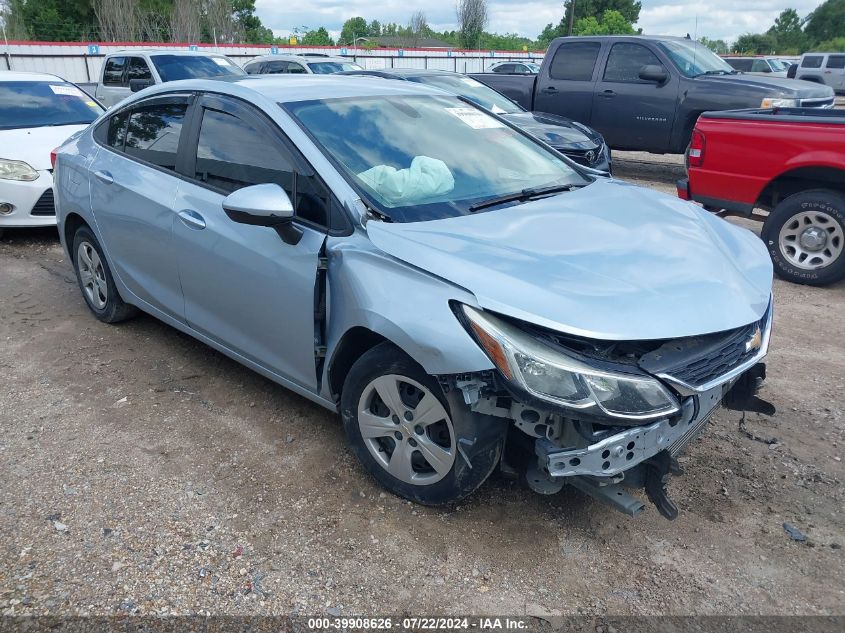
{"x":609,"y":261}
{"x":555,"y":130}
{"x":775,"y":85}
{"x":33,"y":145}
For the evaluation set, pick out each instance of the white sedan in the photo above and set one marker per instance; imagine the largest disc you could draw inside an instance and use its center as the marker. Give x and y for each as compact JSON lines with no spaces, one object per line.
{"x":38,"y":112}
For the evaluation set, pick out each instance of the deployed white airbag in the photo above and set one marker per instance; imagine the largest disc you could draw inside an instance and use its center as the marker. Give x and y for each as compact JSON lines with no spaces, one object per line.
{"x":425,"y":178}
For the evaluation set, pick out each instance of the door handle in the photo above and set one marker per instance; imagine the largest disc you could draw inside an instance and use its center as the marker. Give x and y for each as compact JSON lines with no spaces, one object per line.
{"x":192,"y":219}
{"x":104,"y":176}
{"x":608,"y":94}
{"x":549,"y":91}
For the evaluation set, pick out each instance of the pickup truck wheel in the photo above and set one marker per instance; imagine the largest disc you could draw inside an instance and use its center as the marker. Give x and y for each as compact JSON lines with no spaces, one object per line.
{"x":805,"y":235}
{"x":401,"y":427}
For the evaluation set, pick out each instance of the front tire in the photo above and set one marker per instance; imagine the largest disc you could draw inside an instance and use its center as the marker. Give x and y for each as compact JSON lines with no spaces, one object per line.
{"x":416,"y":442}
{"x":805,"y":235}
{"x":95,"y":279}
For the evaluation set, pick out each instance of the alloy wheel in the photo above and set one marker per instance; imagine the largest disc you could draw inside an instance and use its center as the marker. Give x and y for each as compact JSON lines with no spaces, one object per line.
{"x":811,"y":240}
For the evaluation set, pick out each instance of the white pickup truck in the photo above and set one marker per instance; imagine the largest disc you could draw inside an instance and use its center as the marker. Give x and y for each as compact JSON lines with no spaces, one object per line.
{"x":126,"y":72}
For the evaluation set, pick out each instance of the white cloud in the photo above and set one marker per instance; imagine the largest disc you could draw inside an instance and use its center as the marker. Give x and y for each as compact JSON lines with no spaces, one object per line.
{"x":725,"y":19}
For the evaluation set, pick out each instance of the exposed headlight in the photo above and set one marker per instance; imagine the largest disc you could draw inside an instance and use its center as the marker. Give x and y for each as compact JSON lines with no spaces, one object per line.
{"x":554,"y":376}
{"x":16,"y":170}
{"x":768,"y":102}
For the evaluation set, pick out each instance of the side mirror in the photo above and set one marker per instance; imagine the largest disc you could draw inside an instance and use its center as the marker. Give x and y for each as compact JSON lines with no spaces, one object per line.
{"x":263,"y":205}
{"x":655,"y":73}
{"x":136,"y":85}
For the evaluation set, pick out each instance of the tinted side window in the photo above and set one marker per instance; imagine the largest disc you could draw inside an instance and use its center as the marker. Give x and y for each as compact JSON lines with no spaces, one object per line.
{"x":626,"y":60}
{"x":760,"y":66}
{"x":232,"y":154}
{"x":740,"y":64}
{"x":112,"y":131}
{"x":575,"y":61}
{"x":113,"y":72}
{"x":836,"y":61}
{"x":137,"y":69}
{"x":274,"y":68}
{"x":293,"y":67}
{"x":812,"y":61}
{"x":505,"y":69}
{"x":153,"y":133}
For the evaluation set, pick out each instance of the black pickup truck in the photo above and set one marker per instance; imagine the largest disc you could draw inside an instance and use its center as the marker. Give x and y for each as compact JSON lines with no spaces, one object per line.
{"x":645,"y":93}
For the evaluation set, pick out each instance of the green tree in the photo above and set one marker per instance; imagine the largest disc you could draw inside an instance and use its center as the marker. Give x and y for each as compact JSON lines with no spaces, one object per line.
{"x":787,"y":31}
{"x":254,"y":31}
{"x":836,"y":44}
{"x":353,"y":28}
{"x":756,"y":43}
{"x":629,"y":9}
{"x":611,"y":23}
{"x":318,"y":37}
{"x":49,"y":20}
{"x":826,"y":22}
{"x":374,"y":30}
{"x":717,"y":46}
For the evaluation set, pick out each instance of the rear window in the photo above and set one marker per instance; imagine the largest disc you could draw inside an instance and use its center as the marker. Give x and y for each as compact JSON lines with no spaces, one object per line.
{"x":575,"y":61}
{"x":176,"y":67}
{"x":812,"y":61}
{"x":328,"y":68}
{"x":836,"y":61}
{"x":26,"y":104}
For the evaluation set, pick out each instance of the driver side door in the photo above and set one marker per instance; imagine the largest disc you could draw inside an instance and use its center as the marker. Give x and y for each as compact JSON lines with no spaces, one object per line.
{"x":244,"y":287}
{"x":628,"y":111}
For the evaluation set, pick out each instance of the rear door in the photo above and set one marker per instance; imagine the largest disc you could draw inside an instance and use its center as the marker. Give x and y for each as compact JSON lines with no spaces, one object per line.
{"x":244,"y":287}
{"x":276,"y":67}
{"x":133,"y":187}
{"x":111,"y":87}
{"x":630,"y":112}
{"x":566,"y":84}
{"x":835,"y":72}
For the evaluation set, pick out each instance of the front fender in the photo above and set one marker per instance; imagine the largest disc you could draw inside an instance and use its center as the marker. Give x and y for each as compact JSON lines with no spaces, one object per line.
{"x":404,"y":304}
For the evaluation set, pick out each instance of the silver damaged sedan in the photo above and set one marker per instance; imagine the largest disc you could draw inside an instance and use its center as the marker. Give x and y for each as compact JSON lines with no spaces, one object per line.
{"x":465,"y":297}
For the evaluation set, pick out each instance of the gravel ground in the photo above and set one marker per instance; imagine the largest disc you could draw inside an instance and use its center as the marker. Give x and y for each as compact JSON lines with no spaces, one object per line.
{"x":144,"y":473}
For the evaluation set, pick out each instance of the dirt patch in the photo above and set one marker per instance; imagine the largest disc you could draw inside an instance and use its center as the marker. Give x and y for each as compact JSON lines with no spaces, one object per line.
{"x":143,"y":472}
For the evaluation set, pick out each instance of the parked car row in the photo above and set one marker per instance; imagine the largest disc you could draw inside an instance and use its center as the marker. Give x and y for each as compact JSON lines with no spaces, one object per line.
{"x":464,"y":296}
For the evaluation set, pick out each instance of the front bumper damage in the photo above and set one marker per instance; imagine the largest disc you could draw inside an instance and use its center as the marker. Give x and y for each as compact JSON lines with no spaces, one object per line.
{"x":606,"y":458}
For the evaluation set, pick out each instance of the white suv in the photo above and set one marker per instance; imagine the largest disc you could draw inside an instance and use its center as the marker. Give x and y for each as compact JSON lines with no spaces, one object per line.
{"x":314,"y":63}
{"x":823,"y":68}
{"x":129,"y":71}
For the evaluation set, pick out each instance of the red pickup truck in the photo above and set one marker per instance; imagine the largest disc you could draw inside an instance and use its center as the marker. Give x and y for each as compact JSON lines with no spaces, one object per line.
{"x":789,"y":162}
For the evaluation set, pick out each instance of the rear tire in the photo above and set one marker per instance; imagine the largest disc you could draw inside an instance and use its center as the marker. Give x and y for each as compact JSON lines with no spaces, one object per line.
{"x":410,"y":437}
{"x":805,"y":235}
{"x":95,"y":279}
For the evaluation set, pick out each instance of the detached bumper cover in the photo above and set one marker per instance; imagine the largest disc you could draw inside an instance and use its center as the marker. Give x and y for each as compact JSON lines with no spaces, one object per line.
{"x":630,"y":447}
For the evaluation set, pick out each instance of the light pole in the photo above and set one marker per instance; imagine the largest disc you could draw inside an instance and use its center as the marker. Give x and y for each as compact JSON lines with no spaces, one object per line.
{"x":571,"y":16}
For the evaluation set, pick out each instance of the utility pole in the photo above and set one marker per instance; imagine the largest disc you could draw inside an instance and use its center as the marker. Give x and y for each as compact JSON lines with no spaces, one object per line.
{"x":571,"y":16}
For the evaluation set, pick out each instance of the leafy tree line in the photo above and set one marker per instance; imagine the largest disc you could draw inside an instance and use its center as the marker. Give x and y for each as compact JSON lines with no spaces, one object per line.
{"x":822,"y":29}
{"x":224,"y":21}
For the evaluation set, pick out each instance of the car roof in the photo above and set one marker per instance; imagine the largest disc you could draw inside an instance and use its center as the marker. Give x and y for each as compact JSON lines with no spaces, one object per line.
{"x":159,"y":51}
{"x":299,"y":58}
{"x":297,"y":87}
{"x":401,"y":72}
{"x":14,"y":75}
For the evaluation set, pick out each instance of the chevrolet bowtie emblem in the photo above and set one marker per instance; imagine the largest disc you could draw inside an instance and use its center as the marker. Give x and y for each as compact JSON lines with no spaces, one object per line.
{"x":755,"y":342}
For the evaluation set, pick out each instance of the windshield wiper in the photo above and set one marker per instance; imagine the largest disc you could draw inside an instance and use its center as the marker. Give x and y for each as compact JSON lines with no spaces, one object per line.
{"x":520,"y":196}
{"x":718,"y":72}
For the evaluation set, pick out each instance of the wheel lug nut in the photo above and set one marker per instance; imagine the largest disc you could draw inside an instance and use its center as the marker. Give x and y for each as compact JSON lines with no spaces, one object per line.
{"x":412,"y":442}
{"x":409,"y":416}
{"x":418,"y":429}
{"x":398,"y":436}
{"x":395,"y":419}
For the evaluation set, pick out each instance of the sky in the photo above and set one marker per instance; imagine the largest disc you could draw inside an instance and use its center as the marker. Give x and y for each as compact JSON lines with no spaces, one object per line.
{"x":716,"y":19}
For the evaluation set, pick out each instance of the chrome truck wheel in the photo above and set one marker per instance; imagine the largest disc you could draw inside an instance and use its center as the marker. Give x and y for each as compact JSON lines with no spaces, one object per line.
{"x":805,"y":236}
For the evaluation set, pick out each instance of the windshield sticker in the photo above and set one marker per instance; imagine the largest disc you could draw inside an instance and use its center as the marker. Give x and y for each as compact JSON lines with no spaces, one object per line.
{"x":475,"y":118}
{"x":69,"y":91}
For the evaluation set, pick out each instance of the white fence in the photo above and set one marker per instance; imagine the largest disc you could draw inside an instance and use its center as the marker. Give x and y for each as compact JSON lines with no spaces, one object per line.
{"x":81,"y":63}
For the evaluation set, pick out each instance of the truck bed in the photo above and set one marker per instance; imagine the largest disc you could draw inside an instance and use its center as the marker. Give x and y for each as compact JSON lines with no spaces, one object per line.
{"x":782,"y":115}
